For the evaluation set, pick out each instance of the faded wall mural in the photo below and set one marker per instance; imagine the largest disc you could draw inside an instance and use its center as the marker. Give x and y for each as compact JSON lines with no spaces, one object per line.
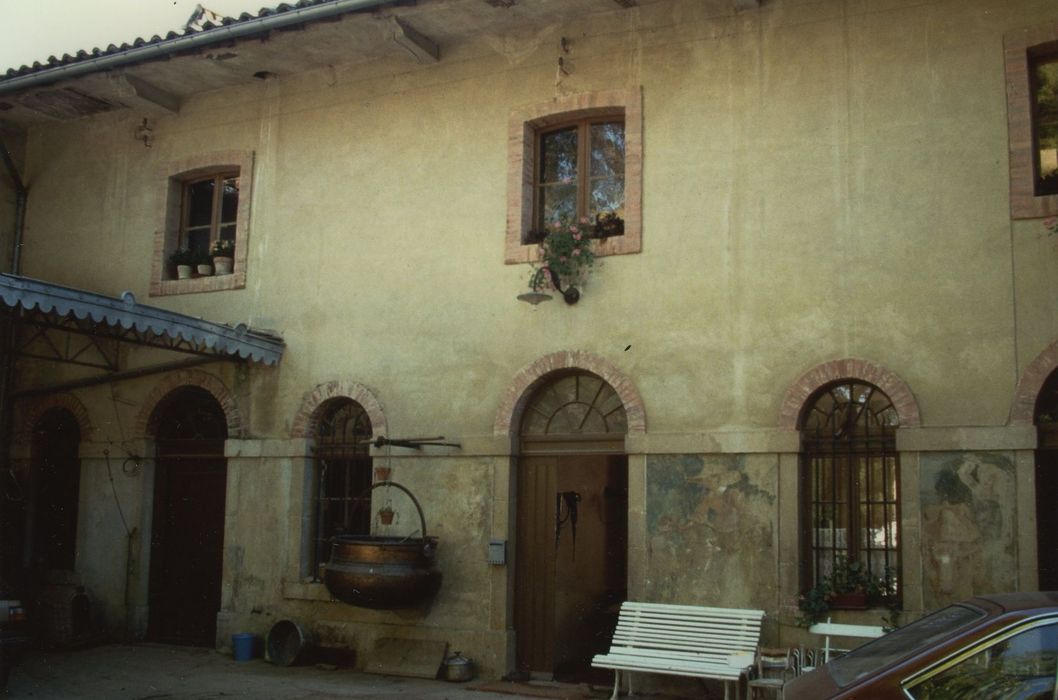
{"x":709,"y":522}
{"x":968,"y":519}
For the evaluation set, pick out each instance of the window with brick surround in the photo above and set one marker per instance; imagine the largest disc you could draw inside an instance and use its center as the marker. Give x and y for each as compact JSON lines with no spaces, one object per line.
{"x":1031,"y":63}
{"x":575,"y":157}
{"x":204,"y":199}
{"x":850,"y":477}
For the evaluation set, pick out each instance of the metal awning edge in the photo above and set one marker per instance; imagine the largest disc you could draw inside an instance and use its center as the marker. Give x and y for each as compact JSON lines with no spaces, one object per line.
{"x":125,"y":312}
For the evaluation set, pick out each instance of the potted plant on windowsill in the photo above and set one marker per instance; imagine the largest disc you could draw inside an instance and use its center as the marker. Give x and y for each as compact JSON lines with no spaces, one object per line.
{"x":203,"y":263}
{"x":223,"y":252}
{"x":847,"y":586}
{"x":183,"y":261}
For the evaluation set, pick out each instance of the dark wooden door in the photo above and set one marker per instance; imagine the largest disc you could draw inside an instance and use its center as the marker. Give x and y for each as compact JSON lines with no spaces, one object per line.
{"x":187,"y":542}
{"x":571,"y":560}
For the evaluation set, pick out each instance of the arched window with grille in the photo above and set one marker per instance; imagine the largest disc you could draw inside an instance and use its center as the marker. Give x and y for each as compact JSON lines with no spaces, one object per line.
{"x":850,"y":477}
{"x":343,"y":475}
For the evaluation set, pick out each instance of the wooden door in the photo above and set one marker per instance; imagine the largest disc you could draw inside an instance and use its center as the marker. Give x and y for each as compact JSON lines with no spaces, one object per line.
{"x":571,"y":559}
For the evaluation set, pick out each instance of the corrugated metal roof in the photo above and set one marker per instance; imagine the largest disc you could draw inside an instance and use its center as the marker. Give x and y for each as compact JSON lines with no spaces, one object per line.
{"x":131,"y":321}
{"x":204,"y":24}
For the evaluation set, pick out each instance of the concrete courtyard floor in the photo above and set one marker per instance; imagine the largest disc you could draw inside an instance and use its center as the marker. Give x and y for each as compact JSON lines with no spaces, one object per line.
{"x":157,"y":672}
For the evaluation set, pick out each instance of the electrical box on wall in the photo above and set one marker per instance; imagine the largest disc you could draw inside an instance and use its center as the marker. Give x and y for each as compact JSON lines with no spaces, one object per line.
{"x":497,"y":552}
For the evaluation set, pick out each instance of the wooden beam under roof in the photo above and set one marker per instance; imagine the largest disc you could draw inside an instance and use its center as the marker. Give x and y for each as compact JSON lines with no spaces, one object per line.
{"x":424,"y":49}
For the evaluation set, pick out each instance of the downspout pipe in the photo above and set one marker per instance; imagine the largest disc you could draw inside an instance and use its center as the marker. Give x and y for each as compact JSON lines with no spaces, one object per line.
{"x":237,"y":30}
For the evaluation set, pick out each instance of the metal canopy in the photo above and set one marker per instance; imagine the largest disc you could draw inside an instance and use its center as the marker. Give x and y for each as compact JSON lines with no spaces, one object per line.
{"x":101,"y":322}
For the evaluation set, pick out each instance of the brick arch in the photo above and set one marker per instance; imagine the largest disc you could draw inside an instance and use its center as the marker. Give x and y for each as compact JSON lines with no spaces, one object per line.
{"x":1023,"y":408}
{"x":35,"y":410}
{"x":819,"y":376}
{"x":532,"y":376}
{"x":147,"y":421}
{"x":307,"y":418}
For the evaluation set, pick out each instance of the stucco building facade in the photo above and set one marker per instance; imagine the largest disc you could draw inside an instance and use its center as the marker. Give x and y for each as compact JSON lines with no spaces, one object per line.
{"x":815,"y":195}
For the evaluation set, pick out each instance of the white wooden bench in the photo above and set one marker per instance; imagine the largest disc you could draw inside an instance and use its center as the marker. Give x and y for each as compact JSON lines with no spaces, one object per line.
{"x":682,"y":640}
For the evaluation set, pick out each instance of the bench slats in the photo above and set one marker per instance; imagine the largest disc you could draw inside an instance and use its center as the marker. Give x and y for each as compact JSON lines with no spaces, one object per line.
{"x":683,"y":640}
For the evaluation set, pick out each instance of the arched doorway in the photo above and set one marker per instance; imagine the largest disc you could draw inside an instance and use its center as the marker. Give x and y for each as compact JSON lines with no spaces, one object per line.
{"x":1046,"y":418}
{"x":571,"y":549}
{"x":56,"y":443}
{"x":187,"y":539}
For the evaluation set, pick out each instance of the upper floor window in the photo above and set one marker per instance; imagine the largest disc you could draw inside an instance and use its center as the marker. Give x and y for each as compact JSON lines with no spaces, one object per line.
{"x":580,"y":174}
{"x":1044,"y":76}
{"x":210,"y":211}
{"x":1031,"y":67}
{"x":577,"y":157}
{"x":205,"y":206}
{"x":850,"y":481}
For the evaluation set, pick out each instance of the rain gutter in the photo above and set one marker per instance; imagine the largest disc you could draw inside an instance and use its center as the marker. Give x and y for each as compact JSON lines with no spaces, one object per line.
{"x":200,"y":39}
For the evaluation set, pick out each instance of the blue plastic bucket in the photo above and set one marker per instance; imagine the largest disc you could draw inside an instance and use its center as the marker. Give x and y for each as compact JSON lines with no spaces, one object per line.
{"x":242,"y":646}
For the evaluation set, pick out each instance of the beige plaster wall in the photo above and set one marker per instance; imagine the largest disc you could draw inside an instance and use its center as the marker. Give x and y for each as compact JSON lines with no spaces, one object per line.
{"x":821,"y":180}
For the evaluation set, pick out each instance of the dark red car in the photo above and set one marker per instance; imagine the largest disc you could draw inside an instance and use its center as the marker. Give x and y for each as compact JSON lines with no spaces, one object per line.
{"x":994,"y":646}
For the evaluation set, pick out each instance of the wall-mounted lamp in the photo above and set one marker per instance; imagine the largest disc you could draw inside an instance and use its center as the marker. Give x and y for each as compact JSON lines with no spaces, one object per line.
{"x":571,"y":294}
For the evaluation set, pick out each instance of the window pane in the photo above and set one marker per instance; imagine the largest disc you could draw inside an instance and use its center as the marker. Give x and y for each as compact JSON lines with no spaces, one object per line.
{"x":227,"y":233}
{"x":607,"y":196}
{"x":198,"y":240}
{"x":200,"y":203}
{"x":608,"y":149}
{"x":557,"y":203}
{"x":558,"y":156}
{"x":1022,"y":666}
{"x":1046,"y":123}
{"x":229,"y":200}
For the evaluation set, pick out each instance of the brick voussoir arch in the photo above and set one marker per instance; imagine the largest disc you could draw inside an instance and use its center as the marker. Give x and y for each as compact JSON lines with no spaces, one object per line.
{"x":849,"y":368}
{"x":536,"y":373}
{"x":146,"y":422}
{"x":308,"y":415}
{"x":36,"y":409}
{"x":1023,"y":408}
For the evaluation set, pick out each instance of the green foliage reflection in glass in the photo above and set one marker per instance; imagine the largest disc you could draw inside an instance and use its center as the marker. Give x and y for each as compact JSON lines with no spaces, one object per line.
{"x":581,"y":173}
{"x":1045,"y":98}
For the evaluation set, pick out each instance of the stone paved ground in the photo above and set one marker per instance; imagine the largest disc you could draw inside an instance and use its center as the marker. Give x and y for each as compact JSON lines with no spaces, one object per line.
{"x":160,"y":672}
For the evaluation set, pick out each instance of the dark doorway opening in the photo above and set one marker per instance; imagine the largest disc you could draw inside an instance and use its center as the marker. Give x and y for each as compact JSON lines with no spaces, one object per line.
{"x":56,"y":442}
{"x":187,"y":541}
{"x":1046,"y":418}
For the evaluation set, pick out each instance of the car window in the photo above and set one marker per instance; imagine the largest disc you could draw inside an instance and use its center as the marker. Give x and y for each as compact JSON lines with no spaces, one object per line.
{"x":901,"y":643}
{"x":1021,"y":666}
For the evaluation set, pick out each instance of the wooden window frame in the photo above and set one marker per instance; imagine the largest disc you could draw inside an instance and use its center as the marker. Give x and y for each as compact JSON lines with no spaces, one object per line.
{"x":170,"y":232}
{"x":1020,"y":48}
{"x":216,"y":206}
{"x":584,"y":178}
{"x":524,"y":127}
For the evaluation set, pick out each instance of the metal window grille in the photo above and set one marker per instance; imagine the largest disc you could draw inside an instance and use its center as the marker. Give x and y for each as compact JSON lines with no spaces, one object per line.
{"x":343,"y":476}
{"x":850,"y":481}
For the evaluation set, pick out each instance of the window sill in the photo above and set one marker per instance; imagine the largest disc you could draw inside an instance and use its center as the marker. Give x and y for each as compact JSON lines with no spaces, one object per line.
{"x":215,"y":283}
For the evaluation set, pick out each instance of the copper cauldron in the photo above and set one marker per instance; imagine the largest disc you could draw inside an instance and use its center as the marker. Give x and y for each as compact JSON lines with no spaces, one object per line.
{"x":383,"y":573}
